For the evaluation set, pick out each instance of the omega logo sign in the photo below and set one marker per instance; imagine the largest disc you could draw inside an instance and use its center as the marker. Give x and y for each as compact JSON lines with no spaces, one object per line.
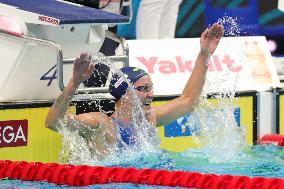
{"x":13,"y":133}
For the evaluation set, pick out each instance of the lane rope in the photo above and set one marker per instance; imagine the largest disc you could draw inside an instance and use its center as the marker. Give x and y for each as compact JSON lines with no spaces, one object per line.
{"x":83,"y":175}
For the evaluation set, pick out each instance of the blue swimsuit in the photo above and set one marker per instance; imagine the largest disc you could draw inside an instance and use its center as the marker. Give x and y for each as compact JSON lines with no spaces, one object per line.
{"x":126,"y":132}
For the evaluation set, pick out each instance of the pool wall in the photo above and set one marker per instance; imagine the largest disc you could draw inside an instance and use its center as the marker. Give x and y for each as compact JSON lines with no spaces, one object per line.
{"x":44,"y":145}
{"x":280,"y":112}
{"x":36,"y":143}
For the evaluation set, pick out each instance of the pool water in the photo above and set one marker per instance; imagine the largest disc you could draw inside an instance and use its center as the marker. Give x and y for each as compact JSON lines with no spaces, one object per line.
{"x":258,"y":160}
{"x":17,"y":184}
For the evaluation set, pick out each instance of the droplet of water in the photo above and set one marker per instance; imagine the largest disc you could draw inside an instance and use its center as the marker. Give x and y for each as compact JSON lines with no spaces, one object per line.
{"x":231,"y":26}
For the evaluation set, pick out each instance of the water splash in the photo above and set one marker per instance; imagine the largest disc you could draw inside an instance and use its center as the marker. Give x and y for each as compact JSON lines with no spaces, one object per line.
{"x":77,"y":150}
{"x":231,"y":25}
{"x":223,"y":140}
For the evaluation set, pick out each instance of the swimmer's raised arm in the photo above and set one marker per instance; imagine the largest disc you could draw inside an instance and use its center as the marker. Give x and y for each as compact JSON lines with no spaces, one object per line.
{"x":81,"y":71}
{"x":189,"y":98}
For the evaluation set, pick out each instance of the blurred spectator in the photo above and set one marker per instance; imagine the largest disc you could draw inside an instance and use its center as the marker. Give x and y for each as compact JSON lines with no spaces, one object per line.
{"x":156,"y":19}
{"x":281,"y":5}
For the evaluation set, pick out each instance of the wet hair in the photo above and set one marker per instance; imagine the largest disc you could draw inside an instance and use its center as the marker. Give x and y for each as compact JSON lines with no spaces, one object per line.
{"x":118,"y":85}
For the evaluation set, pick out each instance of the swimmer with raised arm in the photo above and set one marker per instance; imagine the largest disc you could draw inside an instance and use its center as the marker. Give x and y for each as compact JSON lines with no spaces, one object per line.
{"x":106,"y":132}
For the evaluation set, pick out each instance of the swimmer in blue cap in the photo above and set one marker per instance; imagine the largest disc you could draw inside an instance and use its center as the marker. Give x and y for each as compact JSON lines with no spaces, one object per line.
{"x":118,"y":85}
{"x":107,"y":131}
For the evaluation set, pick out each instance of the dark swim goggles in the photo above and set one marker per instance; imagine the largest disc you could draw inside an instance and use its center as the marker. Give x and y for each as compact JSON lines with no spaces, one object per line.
{"x":144,"y":88}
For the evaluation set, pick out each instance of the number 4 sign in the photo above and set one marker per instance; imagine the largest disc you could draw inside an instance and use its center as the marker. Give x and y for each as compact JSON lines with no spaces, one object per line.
{"x":50,"y":75}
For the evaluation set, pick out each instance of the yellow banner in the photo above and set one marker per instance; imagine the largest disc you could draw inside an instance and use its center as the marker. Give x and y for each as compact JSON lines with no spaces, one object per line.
{"x":281,"y":113}
{"x":181,"y":143}
{"x":42,"y":144}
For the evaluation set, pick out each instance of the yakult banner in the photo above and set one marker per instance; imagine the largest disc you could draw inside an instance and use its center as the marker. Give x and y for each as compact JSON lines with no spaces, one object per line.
{"x":239,"y":64}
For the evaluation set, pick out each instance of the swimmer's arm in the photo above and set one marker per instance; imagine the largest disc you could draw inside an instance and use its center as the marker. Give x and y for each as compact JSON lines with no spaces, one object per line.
{"x":184,"y":104}
{"x":81,"y":123}
{"x":58,"y":112}
{"x":60,"y":106}
{"x":81,"y":71}
{"x":88,"y":123}
{"x":189,"y":98}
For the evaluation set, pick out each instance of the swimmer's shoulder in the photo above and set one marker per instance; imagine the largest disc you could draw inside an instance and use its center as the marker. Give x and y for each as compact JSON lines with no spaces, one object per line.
{"x":95,"y":119}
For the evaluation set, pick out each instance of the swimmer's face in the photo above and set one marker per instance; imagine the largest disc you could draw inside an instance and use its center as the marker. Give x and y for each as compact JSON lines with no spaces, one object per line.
{"x":144,"y":89}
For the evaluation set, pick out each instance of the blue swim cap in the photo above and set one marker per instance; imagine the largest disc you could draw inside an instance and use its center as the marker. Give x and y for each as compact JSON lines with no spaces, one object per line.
{"x":118,"y":85}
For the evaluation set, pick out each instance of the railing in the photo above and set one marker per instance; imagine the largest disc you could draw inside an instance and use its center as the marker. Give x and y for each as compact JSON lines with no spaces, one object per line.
{"x":124,"y":58}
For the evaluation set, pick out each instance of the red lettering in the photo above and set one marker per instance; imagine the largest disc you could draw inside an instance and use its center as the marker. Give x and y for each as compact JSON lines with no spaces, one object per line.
{"x":148,"y":64}
{"x":167,"y":67}
{"x":231,"y":64}
{"x":182,"y":66}
{"x":217,"y":64}
{"x":186,"y":66}
{"x":210,"y":66}
{"x":48,"y":19}
{"x":41,"y":18}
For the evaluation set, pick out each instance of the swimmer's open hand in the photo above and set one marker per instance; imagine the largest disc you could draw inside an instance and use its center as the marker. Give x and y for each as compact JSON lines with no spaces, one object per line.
{"x":210,"y":38}
{"x":83,"y":68}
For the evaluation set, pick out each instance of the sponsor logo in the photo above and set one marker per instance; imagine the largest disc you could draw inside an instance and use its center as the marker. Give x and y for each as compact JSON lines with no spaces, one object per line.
{"x":48,"y":19}
{"x":178,"y":64}
{"x":13,"y":133}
